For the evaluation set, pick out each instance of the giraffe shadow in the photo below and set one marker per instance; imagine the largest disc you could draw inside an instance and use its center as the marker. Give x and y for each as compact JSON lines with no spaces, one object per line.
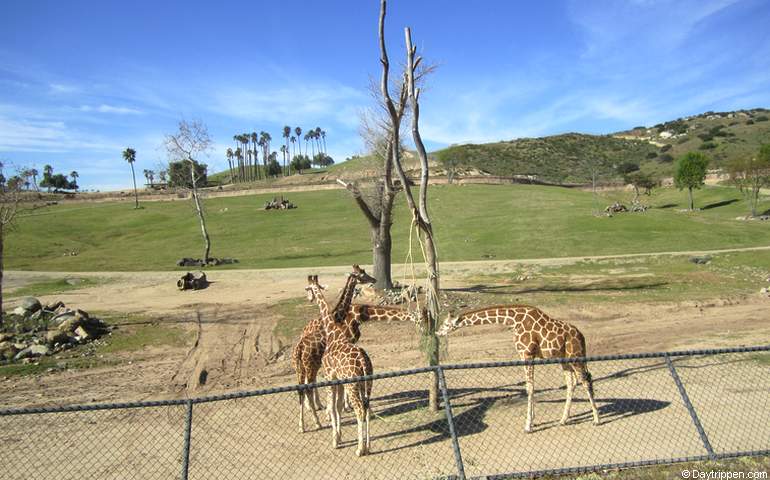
{"x":473,"y":405}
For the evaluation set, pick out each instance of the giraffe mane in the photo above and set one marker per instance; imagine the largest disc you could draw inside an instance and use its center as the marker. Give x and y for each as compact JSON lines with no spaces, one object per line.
{"x":491,"y":307}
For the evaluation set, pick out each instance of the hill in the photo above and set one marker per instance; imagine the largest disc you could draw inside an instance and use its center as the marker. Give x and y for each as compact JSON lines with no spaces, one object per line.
{"x":574,"y":157}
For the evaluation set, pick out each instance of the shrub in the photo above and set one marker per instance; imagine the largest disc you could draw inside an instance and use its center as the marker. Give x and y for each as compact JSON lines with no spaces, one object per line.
{"x":707,"y":146}
{"x":179,"y":174}
{"x":651,"y":155}
{"x":682,"y":140}
{"x":665,"y":158}
{"x":665,"y":148}
{"x":762,"y":118}
{"x":749,"y":122}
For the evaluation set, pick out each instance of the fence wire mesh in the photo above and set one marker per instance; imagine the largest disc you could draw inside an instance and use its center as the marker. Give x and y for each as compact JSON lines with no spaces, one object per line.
{"x":655,"y":408}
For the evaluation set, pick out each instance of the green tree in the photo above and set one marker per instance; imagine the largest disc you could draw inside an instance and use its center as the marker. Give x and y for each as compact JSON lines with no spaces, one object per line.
{"x":74,"y":175}
{"x":751,"y":174}
{"x":690,"y":173}
{"x":298,"y":133}
{"x":286,"y":136}
{"x":129,"y":155}
{"x":300,"y":162}
{"x":180,"y":174}
{"x":273,"y":167}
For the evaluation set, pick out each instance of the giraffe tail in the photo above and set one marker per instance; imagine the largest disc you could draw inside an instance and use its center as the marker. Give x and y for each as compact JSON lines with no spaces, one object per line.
{"x":588,"y":380}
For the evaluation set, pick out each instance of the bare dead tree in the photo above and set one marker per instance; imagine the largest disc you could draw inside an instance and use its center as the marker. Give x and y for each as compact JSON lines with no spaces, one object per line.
{"x":9,"y":208}
{"x":191,"y":140}
{"x":408,"y":93}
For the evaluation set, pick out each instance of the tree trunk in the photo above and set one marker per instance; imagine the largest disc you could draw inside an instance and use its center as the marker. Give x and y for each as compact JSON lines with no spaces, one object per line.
{"x":381,"y":257}
{"x":636,"y":194}
{"x":2,"y":240}
{"x":692,"y":204}
{"x":199,"y":210}
{"x":136,"y":195}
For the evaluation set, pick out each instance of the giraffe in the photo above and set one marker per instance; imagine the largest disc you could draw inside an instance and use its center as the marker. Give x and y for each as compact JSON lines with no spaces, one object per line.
{"x":307,"y":354}
{"x":343,"y":360}
{"x":536,"y":335}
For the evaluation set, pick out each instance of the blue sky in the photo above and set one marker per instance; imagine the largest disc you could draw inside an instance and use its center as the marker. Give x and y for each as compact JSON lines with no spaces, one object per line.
{"x":82,"y":80}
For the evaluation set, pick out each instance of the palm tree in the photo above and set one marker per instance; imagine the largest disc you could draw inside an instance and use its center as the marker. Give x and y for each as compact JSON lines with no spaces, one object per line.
{"x":323,"y":137}
{"x":34,"y":173}
{"x":229,"y":155}
{"x":284,"y":149}
{"x":286,"y":135}
{"x":317,"y":136}
{"x":293,"y":141}
{"x":254,"y":142}
{"x":265,"y":138}
{"x":146,"y":174}
{"x":236,"y":139}
{"x":298,"y":132}
{"x":239,"y":159}
{"x":74,"y":175}
{"x":129,"y":155}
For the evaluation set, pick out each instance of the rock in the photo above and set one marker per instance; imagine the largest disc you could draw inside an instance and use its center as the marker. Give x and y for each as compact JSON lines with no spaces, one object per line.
{"x":52,"y":307}
{"x":39,"y":350}
{"x":19,"y":311}
{"x":5,"y":337}
{"x":7,"y":350}
{"x":82,"y":334}
{"x":74,"y":281}
{"x":53,"y":337}
{"x":765,"y":291}
{"x":36,"y":316}
{"x":701,"y":260}
{"x":31,"y":304}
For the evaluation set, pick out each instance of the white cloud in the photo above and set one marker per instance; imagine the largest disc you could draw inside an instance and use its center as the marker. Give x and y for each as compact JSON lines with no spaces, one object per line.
{"x":61,"y":88}
{"x":104,"y":108}
{"x":45,"y":136}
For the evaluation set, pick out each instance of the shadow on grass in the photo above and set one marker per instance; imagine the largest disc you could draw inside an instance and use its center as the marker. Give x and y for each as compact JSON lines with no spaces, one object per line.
{"x":719,"y":204}
{"x":667,"y":205}
{"x":560,"y":288}
{"x":319,"y":255}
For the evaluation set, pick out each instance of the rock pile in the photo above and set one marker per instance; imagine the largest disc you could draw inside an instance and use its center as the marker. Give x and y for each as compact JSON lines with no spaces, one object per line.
{"x":616,"y":208}
{"x":34,"y":330}
{"x":189,"y":281}
{"x":279,"y":203}
{"x":197,"y":262}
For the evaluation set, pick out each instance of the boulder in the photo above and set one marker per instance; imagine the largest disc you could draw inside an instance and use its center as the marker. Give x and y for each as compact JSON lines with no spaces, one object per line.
{"x":5,"y":337}
{"x":30,"y":304}
{"x":82,"y":334}
{"x":56,"y":336}
{"x":19,"y":311}
{"x":39,"y":350}
{"x":700,"y":260}
{"x":7,"y":350}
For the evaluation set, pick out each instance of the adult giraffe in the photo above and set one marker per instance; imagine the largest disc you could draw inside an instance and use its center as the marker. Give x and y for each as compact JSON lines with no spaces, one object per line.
{"x":343,"y":360}
{"x":536,"y":335}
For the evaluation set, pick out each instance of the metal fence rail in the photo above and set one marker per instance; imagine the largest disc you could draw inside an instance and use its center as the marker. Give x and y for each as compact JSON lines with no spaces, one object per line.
{"x":655,"y":408}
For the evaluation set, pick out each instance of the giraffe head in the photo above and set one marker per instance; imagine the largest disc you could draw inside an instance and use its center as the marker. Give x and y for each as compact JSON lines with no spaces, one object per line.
{"x":361,"y":276}
{"x":313,"y":288}
{"x":452,"y":322}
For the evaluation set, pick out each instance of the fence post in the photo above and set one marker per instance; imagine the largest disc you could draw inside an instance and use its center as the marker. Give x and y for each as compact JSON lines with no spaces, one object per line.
{"x":187,"y":432}
{"x":691,"y":409}
{"x":451,"y":423}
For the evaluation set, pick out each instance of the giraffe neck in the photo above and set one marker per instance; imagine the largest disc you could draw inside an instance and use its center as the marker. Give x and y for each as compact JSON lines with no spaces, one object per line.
{"x":491,"y":316}
{"x":346,"y":298}
{"x":323,"y":306}
{"x":379,"y":313}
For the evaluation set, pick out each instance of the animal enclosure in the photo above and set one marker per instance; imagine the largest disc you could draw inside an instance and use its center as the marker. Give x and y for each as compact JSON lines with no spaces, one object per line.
{"x":655,"y":408}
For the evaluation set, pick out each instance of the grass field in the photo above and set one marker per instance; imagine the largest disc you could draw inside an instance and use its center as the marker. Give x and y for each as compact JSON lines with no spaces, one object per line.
{"x":471,"y":223}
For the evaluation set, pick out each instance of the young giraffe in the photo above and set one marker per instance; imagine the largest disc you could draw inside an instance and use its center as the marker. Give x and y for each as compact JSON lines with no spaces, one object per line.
{"x":343,"y":360}
{"x":307,"y":354}
{"x":536,"y":335}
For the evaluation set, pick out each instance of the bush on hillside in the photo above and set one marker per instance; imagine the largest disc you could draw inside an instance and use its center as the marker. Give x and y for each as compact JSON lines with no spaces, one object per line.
{"x":179,"y":174}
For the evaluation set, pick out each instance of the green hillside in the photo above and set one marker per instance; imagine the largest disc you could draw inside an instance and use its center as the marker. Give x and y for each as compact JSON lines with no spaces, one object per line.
{"x":567,"y":158}
{"x":573,"y":157}
{"x":472,"y":222}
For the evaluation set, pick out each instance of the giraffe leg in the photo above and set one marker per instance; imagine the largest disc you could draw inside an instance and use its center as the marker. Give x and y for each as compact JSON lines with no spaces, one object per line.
{"x":570,"y":380}
{"x":312,"y":408}
{"x":353,"y":392}
{"x":301,"y":411}
{"x":530,"y":371}
{"x":588,"y":381}
{"x":333,"y":416}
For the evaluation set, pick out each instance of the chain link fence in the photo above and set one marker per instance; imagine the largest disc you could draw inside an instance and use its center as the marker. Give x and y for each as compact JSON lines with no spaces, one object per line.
{"x":655,"y":408}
